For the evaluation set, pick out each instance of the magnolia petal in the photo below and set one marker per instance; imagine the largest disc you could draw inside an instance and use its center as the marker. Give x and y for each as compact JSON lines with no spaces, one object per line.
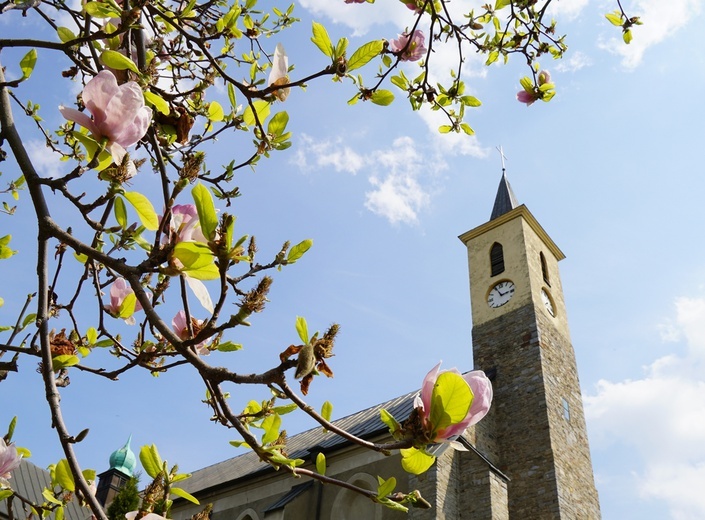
{"x":97,"y":95}
{"x":427,"y":388}
{"x":127,"y":119}
{"x":201,"y":293}
{"x":71,"y":114}
{"x":280,"y":65}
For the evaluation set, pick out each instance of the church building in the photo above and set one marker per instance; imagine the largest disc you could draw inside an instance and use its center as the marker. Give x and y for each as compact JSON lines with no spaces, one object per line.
{"x":528,"y":459}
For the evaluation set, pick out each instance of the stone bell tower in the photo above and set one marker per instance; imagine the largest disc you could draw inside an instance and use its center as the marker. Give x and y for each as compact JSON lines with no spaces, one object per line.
{"x":535,"y":433}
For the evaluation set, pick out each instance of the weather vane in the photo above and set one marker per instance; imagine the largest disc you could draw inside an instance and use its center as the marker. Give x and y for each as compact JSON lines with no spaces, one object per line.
{"x":502,"y":156}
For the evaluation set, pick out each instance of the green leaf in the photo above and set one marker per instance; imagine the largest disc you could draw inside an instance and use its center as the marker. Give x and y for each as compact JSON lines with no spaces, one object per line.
{"x":278,"y":123}
{"x":101,"y":10}
{"x":262,"y":109}
{"x":239,"y":444}
{"x":416,"y":461}
{"x":627,"y":36}
{"x":65,"y":34}
{"x":382,"y":97}
{"x":365,"y":54}
{"x":322,"y":40}
{"x":194,"y":255}
{"x":388,"y":419}
{"x":386,"y":486}
{"x":64,"y":361}
{"x":215,"y":112}
{"x":207,"y":272}
{"x":501,"y":4}
{"x":471,"y":101}
{"x":6,"y":493}
{"x":49,"y":496}
{"x":92,"y":146}
{"x":184,"y":494}
{"x":127,"y":306}
{"x":151,"y":461}
{"x":117,"y":61}
{"x":444,"y":129}
{"x":27,"y":63}
{"x":206,"y":210}
{"x":492,"y":57}
{"x":287,"y":408}
{"x":63,"y":476}
{"x":30,"y":318}
{"x":467,"y":129}
{"x":88,"y":474}
{"x":298,"y":250}
{"x":144,"y":208}
{"x":327,"y":410}
{"x":120,"y":212}
{"x":271,"y":425}
{"x":231,"y":96}
{"x":341,"y":48}
{"x":321,"y":463}
{"x":59,"y":513}
{"x":614,"y":18}
{"x":302,"y":329}
{"x":450,"y":400}
{"x":229,"y":346}
{"x":157,"y":102}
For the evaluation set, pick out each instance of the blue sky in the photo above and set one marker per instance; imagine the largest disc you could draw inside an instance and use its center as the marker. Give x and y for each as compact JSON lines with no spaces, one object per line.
{"x":610,"y":168}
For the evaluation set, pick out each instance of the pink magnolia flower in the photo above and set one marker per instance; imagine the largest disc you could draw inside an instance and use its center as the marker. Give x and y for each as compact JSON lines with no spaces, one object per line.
{"x":482,"y":399}
{"x":181,"y":328}
{"x":411,"y":46}
{"x":544,"y":77}
{"x":118,"y":112}
{"x":9,"y":459}
{"x":149,"y":516}
{"x":118,"y":292}
{"x":185,"y":224}
{"x":526,"y":97}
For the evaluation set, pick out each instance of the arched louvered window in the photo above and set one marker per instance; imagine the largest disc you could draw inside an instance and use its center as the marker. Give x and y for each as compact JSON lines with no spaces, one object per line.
{"x":544,"y":269}
{"x":497,"y":259}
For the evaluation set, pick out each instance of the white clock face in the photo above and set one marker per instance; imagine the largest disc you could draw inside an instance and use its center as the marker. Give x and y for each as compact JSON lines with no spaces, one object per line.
{"x":547,"y":302}
{"x":500,"y":294}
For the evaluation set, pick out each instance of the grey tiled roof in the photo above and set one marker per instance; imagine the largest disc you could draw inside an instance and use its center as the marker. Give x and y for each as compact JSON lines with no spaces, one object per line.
{"x":29,"y":481}
{"x":505,"y":201}
{"x":364,"y":424}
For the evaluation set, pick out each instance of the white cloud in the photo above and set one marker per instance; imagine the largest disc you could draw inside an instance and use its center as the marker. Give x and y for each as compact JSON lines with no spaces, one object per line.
{"x":44,"y":159}
{"x":575,"y":62}
{"x":359,"y":17}
{"x":661,"y":20}
{"x":661,"y":419}
{"x":403,"y":175}
{"x":567,"y":9}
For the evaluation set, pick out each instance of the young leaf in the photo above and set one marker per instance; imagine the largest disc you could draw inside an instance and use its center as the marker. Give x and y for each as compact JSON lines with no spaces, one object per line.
{"x":151,"y":461}
{"x":64,"y":361}
{"x":364,"y":54}
{"x":261,"y":107}
{"x":278,"y":123}
{"x":388,"y":419}
{"x":298,"y":250}
{"x":117,"y":61}
{"x":215,"y":112}
{"x":302,"y":329}
{"x":63,"y":476}
{"x":6,"y":493}
{"x":322,"y":40}
{"x":229,"y":346}
{"x":382,"y":97}
{"x":450,"y":400}
{"x":271,"y":426}
{"x":27,"y":63}
{"x":101,"y":10}
{"x":144,"y":208}
{"x":157,"y":102}
{"x":120,"y":212}
{"x":614,"y":18}
{"x":185,"y":494}
{"x":321,"y":463}
{"x":416,"y":461}
{"x":386,"y":487}
{"x":127,"y":307}
{"x":327,"y":410}
{"x":206,"y":210}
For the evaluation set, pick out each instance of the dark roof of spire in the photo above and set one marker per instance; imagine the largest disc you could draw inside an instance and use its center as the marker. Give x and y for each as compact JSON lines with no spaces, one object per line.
{"x":505,"y":200}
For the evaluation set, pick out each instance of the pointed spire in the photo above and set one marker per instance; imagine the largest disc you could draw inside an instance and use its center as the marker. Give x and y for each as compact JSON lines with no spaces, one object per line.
{"x":505,"y":200}
{"x":123,"y":459}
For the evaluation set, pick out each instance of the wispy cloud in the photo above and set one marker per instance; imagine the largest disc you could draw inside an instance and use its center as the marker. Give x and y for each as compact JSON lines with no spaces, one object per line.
{"x":661,"y":21}
{"x":661,"y":418}
{"x":44,"y":159}
{"x":575,"y":61}
{"x":403,"y":174}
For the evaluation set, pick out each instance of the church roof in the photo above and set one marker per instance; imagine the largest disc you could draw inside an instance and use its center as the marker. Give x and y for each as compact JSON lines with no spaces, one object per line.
{"x":29,"y":481}
{"x":363,"y":424}
{"x":505,"y":201}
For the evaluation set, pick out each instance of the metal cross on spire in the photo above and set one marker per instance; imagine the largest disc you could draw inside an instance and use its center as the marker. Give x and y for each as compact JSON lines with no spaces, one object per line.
{"x":502,"y":157}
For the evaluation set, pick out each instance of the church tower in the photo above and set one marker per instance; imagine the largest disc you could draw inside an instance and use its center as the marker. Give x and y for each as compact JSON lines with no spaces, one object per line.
{"x":122,"y":466}
{"x":535,"y":433}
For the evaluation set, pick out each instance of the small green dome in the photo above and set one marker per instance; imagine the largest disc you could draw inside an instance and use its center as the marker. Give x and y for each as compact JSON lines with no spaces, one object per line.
{"x":123,"y":459}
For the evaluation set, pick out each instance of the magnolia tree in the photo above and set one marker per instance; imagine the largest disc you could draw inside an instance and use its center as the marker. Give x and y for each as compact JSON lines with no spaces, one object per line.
{"x":148,"y":71}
